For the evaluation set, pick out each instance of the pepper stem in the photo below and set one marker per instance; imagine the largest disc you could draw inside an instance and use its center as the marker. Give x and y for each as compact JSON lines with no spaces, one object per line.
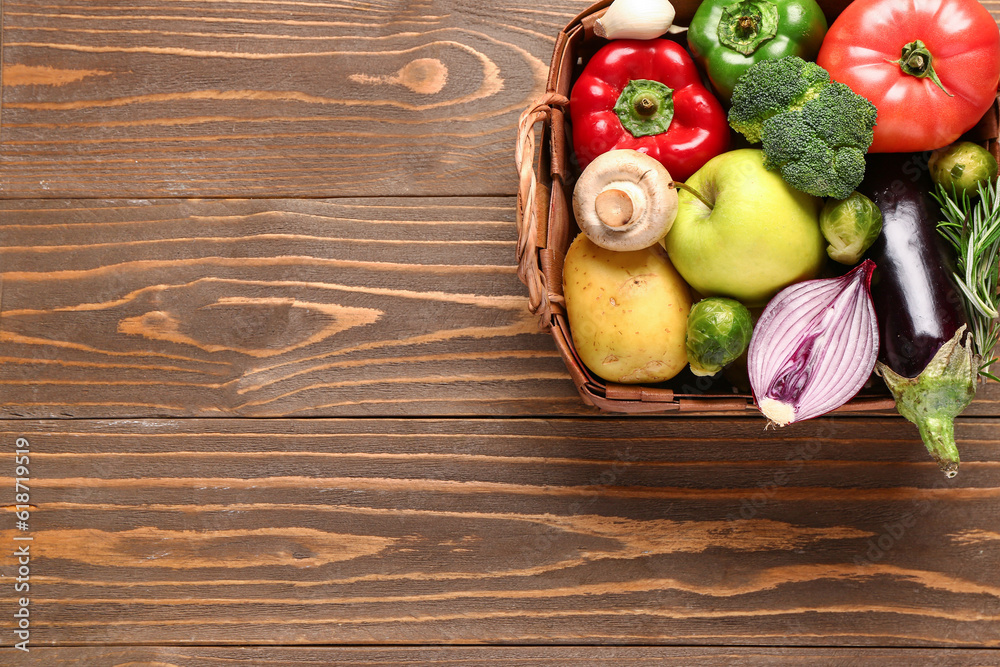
{"x":645,"y":107}
{"x":917,"y":61}
{"x":746,"y":24}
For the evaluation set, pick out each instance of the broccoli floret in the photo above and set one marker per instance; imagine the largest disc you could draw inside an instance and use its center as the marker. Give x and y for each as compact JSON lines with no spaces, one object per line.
{"x":814,"y":131}
{"x":842,"y":117}
{"x":771,"y":87}
{"x":820,"y":148}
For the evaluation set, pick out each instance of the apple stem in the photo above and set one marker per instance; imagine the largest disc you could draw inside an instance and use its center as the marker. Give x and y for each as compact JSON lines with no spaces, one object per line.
{"x":694,"y":193}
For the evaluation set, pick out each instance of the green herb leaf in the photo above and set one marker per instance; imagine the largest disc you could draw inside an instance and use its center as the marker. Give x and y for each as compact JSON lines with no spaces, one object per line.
{"x":972,"y":227}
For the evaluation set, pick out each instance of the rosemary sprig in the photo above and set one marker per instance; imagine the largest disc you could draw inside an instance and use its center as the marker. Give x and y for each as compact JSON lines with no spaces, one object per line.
{"x":972,"y":227}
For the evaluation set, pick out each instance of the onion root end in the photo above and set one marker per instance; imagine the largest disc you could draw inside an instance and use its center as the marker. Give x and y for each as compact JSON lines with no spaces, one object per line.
{"x":777,"y":412}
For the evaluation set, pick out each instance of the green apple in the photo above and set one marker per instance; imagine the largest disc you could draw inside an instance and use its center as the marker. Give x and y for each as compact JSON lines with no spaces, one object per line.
{"x":751,"y":236}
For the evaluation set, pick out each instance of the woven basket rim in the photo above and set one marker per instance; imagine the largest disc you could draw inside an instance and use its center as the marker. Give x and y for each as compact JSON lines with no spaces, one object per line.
{"x":553,"y":178}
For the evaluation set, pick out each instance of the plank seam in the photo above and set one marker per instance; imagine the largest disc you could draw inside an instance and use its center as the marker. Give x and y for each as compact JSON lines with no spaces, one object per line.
{"x":506,"y":645}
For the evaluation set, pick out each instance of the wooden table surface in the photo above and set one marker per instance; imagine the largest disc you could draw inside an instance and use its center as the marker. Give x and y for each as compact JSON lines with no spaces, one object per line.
{"x":261,"y":332}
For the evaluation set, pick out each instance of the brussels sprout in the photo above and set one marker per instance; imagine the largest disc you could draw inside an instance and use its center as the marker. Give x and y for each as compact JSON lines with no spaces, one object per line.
{"x":718,"y":332}
{"x":850,"y":226}
{"x":962,"y":167}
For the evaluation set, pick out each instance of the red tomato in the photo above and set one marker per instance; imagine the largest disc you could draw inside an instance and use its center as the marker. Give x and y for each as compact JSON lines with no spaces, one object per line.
{"x":872,"y":44}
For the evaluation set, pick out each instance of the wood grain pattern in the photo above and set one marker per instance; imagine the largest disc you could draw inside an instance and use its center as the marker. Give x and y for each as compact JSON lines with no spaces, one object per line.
{"x":557,"y":656}
{"x":266,"y":98}
{"x":262,"y":308}
{"x":271,"y":99}
{"x":455,"y":531}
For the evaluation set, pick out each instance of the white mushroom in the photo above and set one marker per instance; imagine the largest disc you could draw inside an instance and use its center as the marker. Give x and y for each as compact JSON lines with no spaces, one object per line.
{"x":625,"y":200}
{"x":636,"y":19}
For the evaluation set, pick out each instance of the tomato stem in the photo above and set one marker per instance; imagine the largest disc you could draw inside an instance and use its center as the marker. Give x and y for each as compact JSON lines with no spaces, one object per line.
{"x":917,"y":61}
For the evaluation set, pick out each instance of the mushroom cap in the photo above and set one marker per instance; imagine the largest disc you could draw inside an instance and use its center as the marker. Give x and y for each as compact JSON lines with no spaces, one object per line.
{"x":625,"y":200}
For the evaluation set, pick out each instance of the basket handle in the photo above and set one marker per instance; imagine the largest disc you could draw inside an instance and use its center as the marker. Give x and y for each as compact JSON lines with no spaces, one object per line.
{"x":527,"y":212}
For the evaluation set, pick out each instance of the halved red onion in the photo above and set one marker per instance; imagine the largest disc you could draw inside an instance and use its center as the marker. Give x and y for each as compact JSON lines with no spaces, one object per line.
{"x":814,"y":346}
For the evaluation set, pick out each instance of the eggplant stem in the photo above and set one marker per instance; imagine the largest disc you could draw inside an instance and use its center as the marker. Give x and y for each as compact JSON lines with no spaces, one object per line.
{"x":933,"y":399}
{"x":938,"y":435}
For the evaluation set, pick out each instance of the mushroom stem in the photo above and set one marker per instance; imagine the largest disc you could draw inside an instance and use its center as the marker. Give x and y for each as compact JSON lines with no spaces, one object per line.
{"x":614,"y":207}
{"x":624,"y":200}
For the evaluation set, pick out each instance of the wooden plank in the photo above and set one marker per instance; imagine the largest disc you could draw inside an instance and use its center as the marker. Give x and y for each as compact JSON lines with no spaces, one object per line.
{"x":260,"y":98}
{"x":264,"y":308}
{"x":481,"y":656}
{"x":257,"y":98}
{"x":419,"y":531}
{"x":351,"y":307}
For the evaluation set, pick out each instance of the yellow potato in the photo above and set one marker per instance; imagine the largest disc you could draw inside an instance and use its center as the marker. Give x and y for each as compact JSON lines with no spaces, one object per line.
{"x":627,"y":311}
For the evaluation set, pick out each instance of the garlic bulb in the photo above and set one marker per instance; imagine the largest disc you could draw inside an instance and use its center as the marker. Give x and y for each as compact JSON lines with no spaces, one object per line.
{"x":636,"y":19}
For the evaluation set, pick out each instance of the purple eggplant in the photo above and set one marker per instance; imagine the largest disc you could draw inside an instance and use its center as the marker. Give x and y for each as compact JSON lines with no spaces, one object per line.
{"x":915,"y":296}
{"x":925,"y":357}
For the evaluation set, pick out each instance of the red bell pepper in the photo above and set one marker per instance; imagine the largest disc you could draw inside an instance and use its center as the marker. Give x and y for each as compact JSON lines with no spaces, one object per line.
{"x":647,"y":95}
{"x":930,"y":68}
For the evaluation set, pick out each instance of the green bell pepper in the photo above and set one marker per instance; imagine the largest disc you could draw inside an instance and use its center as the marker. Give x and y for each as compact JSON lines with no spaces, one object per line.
{"x":727,"y":37}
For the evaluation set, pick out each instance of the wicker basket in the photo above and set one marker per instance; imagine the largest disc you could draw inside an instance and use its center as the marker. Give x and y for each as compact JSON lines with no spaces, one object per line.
{"x":546,"y":227}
